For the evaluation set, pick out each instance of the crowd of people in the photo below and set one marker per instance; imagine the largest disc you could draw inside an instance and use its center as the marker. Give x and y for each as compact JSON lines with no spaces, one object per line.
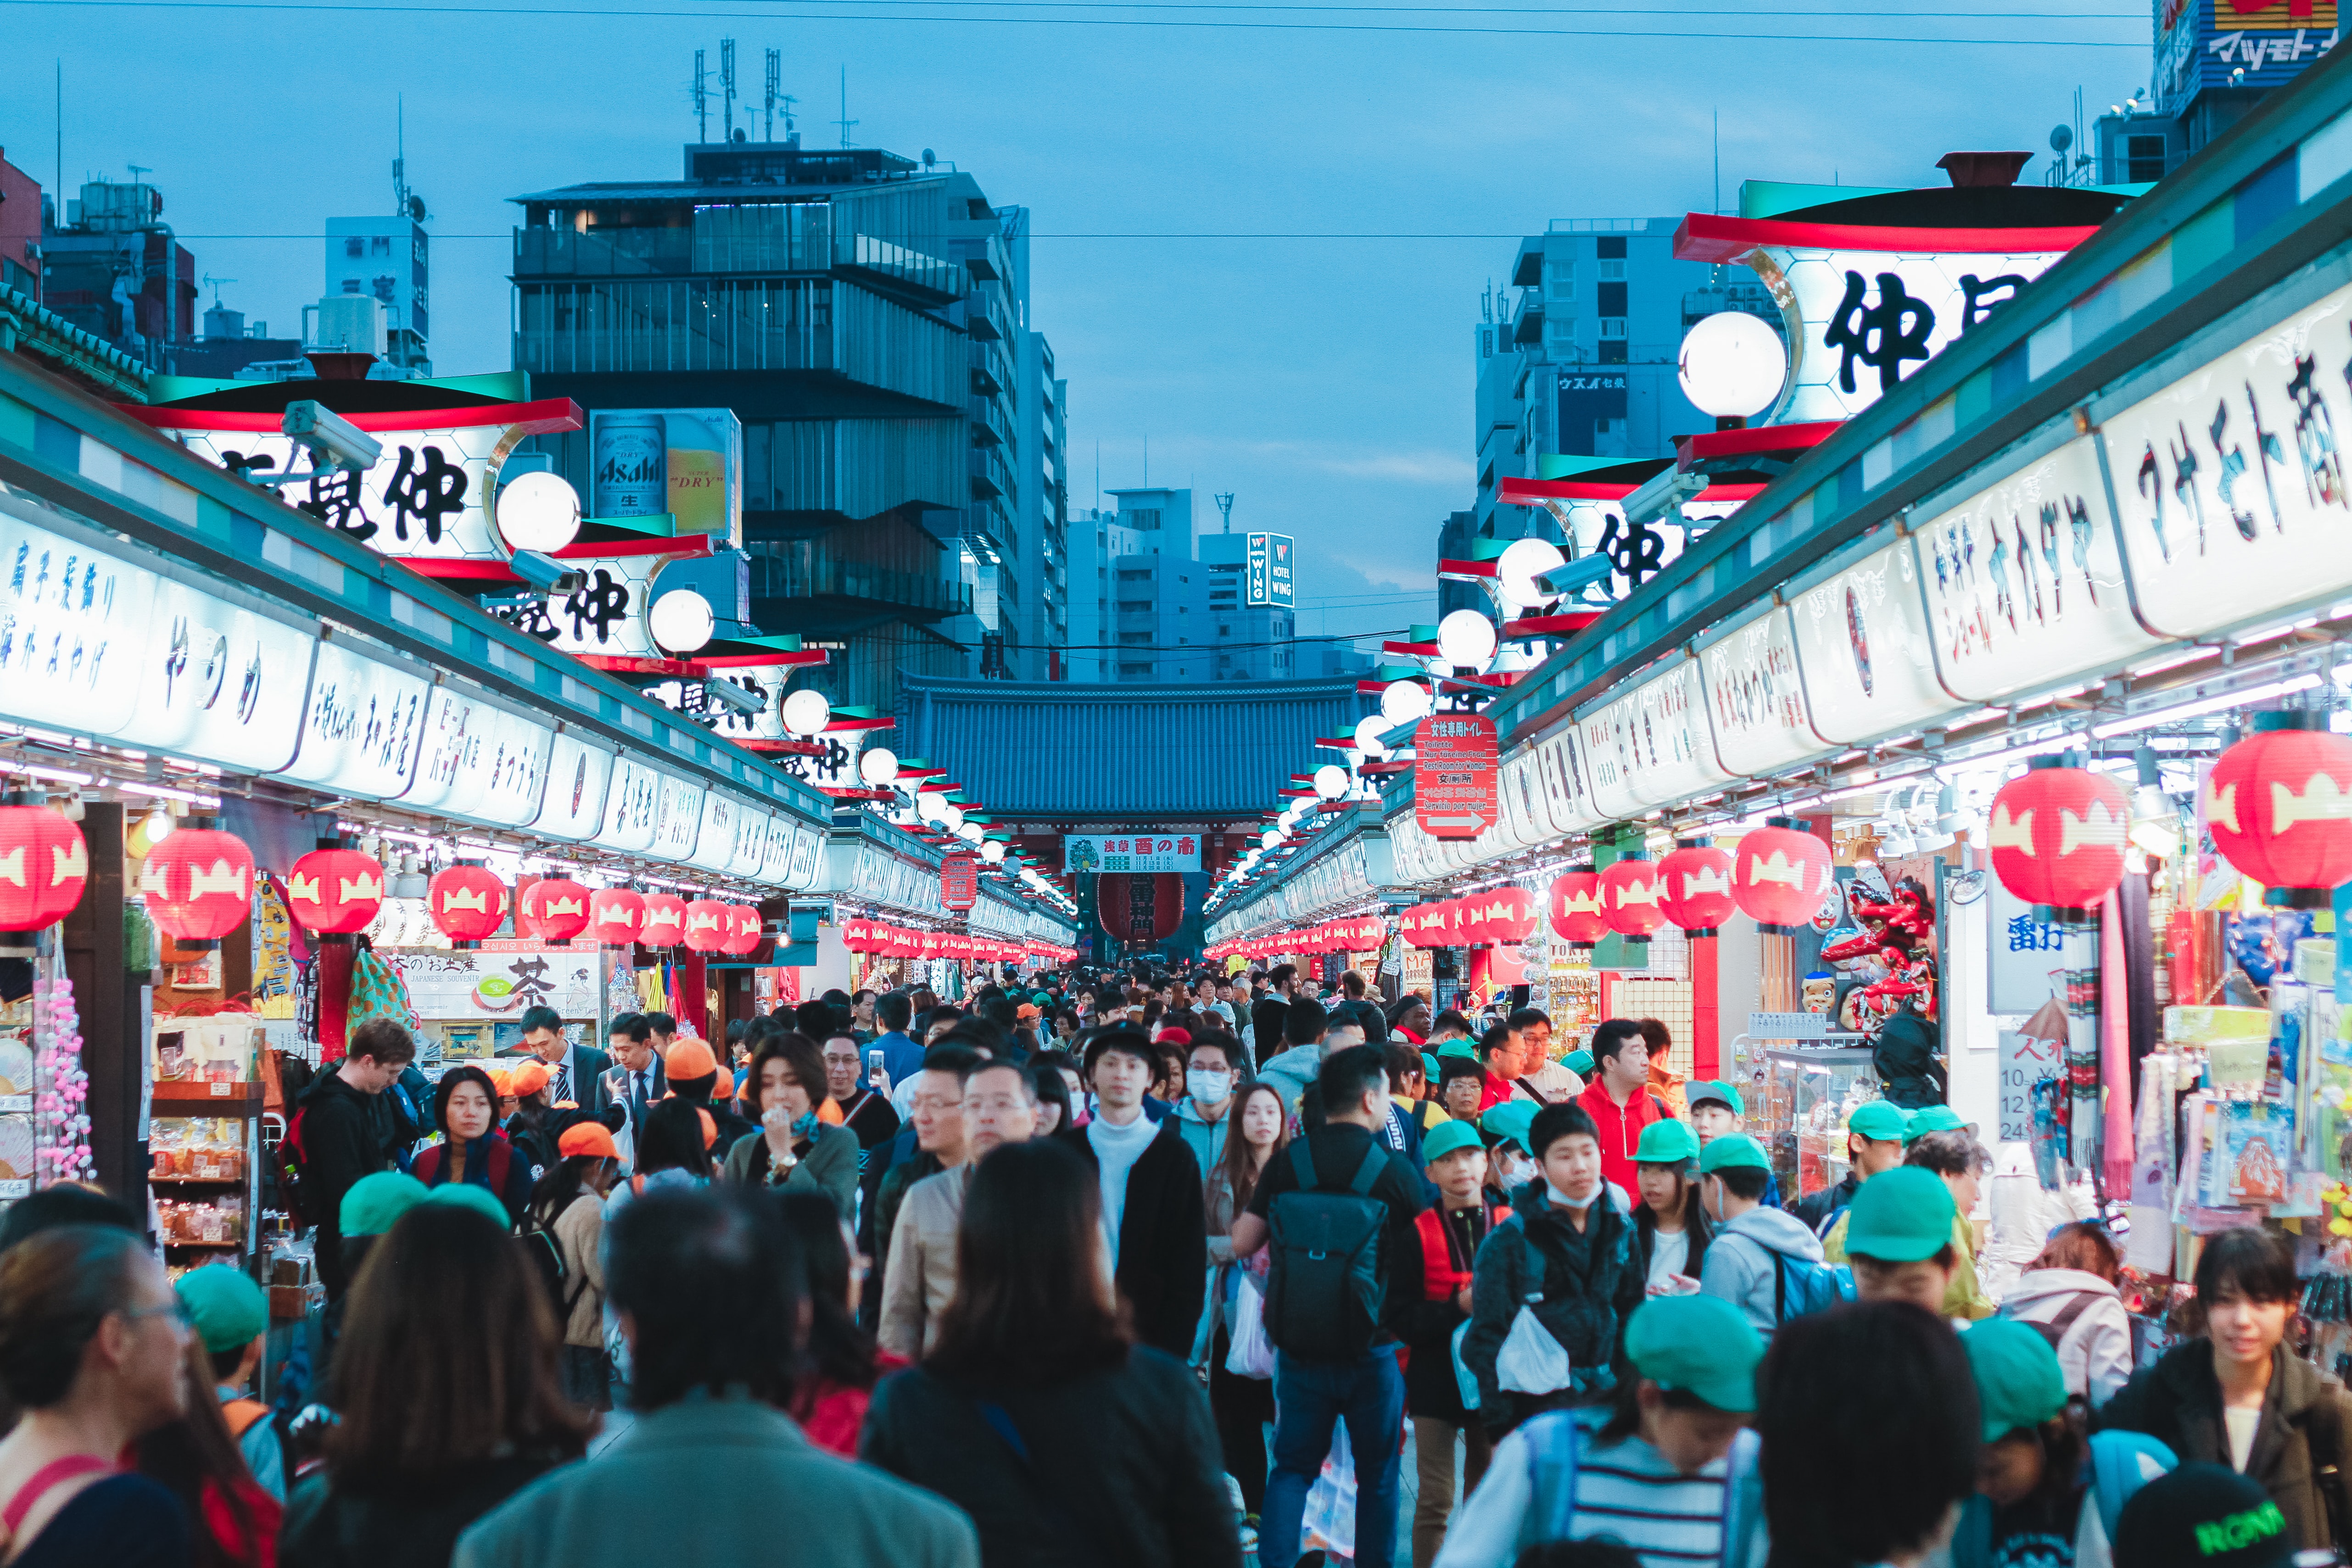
{"x":1142,"y":1269}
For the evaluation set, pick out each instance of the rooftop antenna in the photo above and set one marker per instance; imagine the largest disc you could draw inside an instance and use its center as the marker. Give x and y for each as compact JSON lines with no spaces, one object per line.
{"x":399,"y":154}
{"x":776,"y":79}
{"x":1225,"y":504}
{"x":726,"y":82}
{"x":844,"y":121}
{"x":1718,"y":161}
{"x":214,"y":284}
{"x":139,"y":169}
{"x":701,"y":101}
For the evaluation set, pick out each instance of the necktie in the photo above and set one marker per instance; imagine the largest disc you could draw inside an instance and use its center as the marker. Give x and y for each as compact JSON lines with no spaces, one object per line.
{"x":637,"y":1107}
{"x":562,"y":1083}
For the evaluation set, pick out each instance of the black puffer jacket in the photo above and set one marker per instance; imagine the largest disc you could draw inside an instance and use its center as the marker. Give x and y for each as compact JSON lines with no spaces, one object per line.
{"x":1591,"y":1281}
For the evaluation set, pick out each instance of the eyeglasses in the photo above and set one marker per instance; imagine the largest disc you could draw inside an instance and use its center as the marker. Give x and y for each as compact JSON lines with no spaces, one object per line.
{"x":177,"y":1310}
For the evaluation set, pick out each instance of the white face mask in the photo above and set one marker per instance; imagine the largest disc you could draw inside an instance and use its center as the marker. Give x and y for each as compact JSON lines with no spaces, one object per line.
{"x":1516,"y":1172}
{"x":1208,"y":1085}
{"x":1564,"y":1201}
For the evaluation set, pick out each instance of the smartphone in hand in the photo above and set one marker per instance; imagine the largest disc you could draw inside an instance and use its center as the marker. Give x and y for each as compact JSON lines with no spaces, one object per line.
{"x":874,"y":1074}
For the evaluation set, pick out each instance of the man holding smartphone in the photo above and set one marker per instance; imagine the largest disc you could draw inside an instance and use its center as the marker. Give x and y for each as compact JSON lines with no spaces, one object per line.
{"x":865,"y":1102}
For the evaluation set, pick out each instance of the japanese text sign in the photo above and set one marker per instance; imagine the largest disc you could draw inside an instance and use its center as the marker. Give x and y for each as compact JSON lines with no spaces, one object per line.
{"x":1453,"y":774}
{"x":959,"y":881}
{"x":1089,"y":853}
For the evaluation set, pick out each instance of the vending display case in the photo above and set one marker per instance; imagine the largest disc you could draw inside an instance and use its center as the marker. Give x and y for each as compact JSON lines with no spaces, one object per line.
{"x":1802,"y":1100}
{"x":204,"y":1138}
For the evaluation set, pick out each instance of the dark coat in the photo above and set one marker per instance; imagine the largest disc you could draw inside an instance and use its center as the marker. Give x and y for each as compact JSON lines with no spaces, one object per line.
{"x":1904,"y":1061}
{"x":402,"y":1526}
{"x":2298,"y":1452}
{"x":1591,"y":1281}
{"x":1427,"y":1322}
{"x":343,"y":1140}
{"x":1163,"y":1255}
{"x":1266,"y":1019}
{"x":481,"y":1160}
{"x":1818,"y":1209}
{"x":1124,"y":1465}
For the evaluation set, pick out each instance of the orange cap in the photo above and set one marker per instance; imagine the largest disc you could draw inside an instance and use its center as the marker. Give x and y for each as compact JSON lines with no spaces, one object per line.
{"x":529,"y":1078}
{"x":587,"y":1138}
{"x":829,"y":1113}
{"x":689,"y":1057}
{"x":709,"y":1127}
{"x":497,"y":1076}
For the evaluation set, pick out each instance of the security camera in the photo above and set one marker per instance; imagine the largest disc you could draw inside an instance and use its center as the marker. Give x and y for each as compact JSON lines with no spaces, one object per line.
{"x":545,"y":573}
{"x":331,"y":440}
{"x":1575,"y":575}
{"x":735,"y":699}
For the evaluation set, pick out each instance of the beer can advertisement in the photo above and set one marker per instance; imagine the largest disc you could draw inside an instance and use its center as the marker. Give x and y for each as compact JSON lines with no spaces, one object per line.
{"x":688,"y":462}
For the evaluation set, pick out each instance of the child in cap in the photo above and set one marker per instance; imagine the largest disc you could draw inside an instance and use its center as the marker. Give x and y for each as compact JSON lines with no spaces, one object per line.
{"x":1503,"y":1131}
{"x":1670,"y":1227}
{"x":1450,"y":1231}
{"x":2204,"y":1516}
{"x":1959,"y":1162}
{"x":1716,"y":1110}
{"x":230,"y":1314}
{"x":1670,"y":1472}
{"x":1897,"y":1233}
{"x":1874,"y":1144}
{"x":1759,"y":1252}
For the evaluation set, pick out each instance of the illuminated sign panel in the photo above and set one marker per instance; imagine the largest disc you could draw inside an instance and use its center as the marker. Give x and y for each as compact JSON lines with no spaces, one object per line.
{"x":1273,"y":558}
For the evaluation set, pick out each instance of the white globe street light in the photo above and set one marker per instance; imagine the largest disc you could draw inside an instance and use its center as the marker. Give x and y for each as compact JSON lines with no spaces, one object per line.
{"x":537,"y":511}
{"x":1405,"y":702}
{"x":993,"y":852}
{"x":1330,"y":781}
{"x":680,"y":620}
{"x":970,"y":832}
{"x":878,"y":767}
{"x":806,"y":713}
{"x":952,"y":817}
{"x":1369,"y":731}
{"x":1732,"y":365}
{"x":1465,"y":639}
{"x":932,"y":806}
{"x":1268,"y":839}
{"x":1517,"y":567}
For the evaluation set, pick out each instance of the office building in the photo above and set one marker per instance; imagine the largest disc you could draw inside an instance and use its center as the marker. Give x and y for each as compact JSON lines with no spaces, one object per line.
{"x":388,"y":259}
{"x":20,"y":229}
{"x":116,"y":270}
{"x":865,"y":317}
{"x":1043,"y":613}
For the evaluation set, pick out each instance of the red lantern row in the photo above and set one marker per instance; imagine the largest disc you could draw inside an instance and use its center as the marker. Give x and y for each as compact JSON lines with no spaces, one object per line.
{"x":2057,"y":837}
{"x":1500,"y":915}
{"x":1780,"y":875}
{"x":864,"y":935}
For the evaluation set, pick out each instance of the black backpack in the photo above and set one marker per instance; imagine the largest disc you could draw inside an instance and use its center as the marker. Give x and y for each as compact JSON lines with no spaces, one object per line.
{"x":1324,"y":1291}
{"x":545,"y":1251}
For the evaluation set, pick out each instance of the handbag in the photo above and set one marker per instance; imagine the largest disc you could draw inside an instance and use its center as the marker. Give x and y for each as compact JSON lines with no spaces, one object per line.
{"x":1532,"y":1361}
{"x":1251,"y":1353}
{"x":1464,"y":1378}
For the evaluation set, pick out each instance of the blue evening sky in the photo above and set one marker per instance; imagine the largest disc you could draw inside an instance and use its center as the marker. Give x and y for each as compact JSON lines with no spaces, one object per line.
{"x":1326,"y":381}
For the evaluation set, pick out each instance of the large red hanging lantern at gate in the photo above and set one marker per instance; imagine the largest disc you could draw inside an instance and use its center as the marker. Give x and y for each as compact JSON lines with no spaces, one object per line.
{"x":615,"y":916}
{"x":1629,"y":897}
{"x":2280,"y":806}
{"x":1695,"y":887}
{"x":198,"y":883}
{"x":334,"y":890}
{"x":1576,"y":917}
{"x":665,"y":924}
{"x":466,"y":903}
{"x":553,"y":909}
{"x":705,"y":925}
{"x":1780,"y":875}
{"x":2057,"y":836}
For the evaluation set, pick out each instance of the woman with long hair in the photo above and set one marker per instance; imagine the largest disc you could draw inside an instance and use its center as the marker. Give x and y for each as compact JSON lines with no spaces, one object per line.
{"x":1242,"y":1406}
{"x":796,"y":1151}
{"x":1670,"y":1224}
{"x":2033,"y":1502}
{"x":93,"y":1353}
{"x":1035,"y":1411}
{"x":1052,"y":1093}
{"x":233,"y":1524}
{"x":674,"y":1150}
{"x":841,"y":1361}
{"x":451,"y":1398}
{"x":567,"y":1215}
{"x":473,"y":1150}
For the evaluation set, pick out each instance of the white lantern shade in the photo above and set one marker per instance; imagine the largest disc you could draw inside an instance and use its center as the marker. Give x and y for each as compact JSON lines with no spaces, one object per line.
{"x":1270,"y":838}
{"x":1405,"y":702}
{"x":1369,"y":731}
{"x":1732,"y":365}
{"x":993,"y":852}
{"x":878,"y":767}
{"x":537,"y":511}
{"x":1517,"y":567}
{"x":680,"y":620}
{"x":932,"y":806}
{"x":970,"y":832}
{"x":1330,"y":781}
{"x":806,"y":712}
{"x":952,"y":817}
{"x":1465,"y":639}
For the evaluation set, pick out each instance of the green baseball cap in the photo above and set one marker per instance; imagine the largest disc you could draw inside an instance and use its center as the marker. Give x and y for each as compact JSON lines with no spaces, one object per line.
{"x":464,"y":1195}
{"x":1445,"y":1138}
{"x":1733,"y":1149}
{"x":2019,"y":1384}
{"x":1700,"y":1345}
{"x":1429,"y":1068}
{"x":1041,"y":999}
{"x":1509,"y":1122}
{"x":374,"y":1204}
{"x":1459,"y":1046}
{"x":1667,"y":1143}
{"x":1578,"y":1062}
{"x":1900,"y":1217}
{"x":1932,"y":1119}
{"x":1881,"y":1119}
{"x":228,"y":1309}
{"x":1716,"y":1089}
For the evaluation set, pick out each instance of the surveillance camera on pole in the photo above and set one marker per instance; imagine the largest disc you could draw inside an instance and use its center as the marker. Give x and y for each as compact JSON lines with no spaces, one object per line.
{"x":734,"y":699}
{"x":546,"y":573}
{"x":335,"y":444}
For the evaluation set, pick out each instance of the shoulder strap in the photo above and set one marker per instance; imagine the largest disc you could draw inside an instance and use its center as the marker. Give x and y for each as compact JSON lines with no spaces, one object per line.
{"x":1368,"y":1175}
{"x":1050,"y":1498}
{"x":1534,"y":1094}
{"x":47,"y":1479}
{"x":1302,"y":1164}
{"x":242,"y":1415}
{"x":2055,"y":1329}
{"x":1555,"y":1446}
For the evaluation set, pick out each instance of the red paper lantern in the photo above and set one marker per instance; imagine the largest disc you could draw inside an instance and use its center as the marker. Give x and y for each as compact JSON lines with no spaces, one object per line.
{"x":1511,"y":915}
{"x":665,"y":922}
{"x":1780,"y":875}
{"x":615,"y":916}
{"x":2276,"y":805}
{"x":705,"y":925}
{"x":2057,"y":837}
{"x":199,"y":884}
{"x":553,"y":909}
{"x":1694,"y":888}
{"x":1576,"y":917}
{"x":1629,"y":896}
{"x":744,"y":929}
{"x":334,"y":890}
{"x":44,"y":864}
{"x":466,"y":903}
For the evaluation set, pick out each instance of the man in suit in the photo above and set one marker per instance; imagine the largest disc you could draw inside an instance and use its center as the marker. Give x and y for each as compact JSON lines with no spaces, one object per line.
{"x":575,"y":1073}
{"x":637,"y":1079}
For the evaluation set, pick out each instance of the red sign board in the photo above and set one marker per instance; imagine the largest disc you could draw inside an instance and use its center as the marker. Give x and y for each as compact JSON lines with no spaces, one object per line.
{"x":960,"y":880}
{"x":1455,"y":758}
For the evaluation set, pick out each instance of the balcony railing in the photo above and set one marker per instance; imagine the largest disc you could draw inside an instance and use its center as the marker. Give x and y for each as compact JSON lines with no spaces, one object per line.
{"x":788,"y":569}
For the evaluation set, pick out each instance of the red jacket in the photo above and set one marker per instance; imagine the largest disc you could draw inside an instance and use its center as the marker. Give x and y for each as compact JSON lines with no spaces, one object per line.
{"x":1620,"y":1130}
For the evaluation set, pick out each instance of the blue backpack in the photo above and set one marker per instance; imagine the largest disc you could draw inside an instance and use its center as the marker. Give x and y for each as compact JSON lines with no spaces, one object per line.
{"x":1802,"y":1286}
{"x":2118,"y":1464}
{"x":1557,"y":1440}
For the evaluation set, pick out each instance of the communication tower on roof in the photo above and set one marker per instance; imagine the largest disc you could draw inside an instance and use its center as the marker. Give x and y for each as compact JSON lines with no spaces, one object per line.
{"x":701,"y":101}
{"x":727,"y":83}
{"x":1225,"y":504}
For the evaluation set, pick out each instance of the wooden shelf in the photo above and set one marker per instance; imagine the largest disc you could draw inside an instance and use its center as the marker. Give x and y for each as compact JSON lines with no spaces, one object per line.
{"x":194,"y":1097}
{"x":195,"y":1181}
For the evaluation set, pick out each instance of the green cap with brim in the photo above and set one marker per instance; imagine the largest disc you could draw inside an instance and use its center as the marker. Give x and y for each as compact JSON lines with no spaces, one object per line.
{"x":1429,"y":1068}
{"x":2019,"y":1384}
{"x":1666,"y":1143}
{"x":1041,"y":999}
{"x":1901,"y":1216}
{"x":228,"y":1309}
{"x":1712,"y":1090}
{"x":1509,"y":1122}
{"x":1459,"y":1046}
{"x":1932,"y":1119}
{"x":462,"y":1195}
{"x":1446,"y":1138}
{"x":374,"y":1204}
{"x":1702,"y":1345}
{"x":1733,"y":1150}
{"x":1881,"y":1119}
{"x":1579,"y":1062}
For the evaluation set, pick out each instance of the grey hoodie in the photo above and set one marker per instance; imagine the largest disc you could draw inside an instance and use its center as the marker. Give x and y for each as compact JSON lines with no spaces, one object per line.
{"x":1291,"y":1071}
{"x":1741,"y":1267}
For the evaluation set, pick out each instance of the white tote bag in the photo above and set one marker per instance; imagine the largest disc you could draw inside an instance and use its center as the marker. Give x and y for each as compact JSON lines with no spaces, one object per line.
{"x":1251,"y":1354}
{"x":1532,"y":1361}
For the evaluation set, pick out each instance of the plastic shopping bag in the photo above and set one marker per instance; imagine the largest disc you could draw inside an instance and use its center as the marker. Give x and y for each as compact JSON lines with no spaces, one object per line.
{"x":1329,"y":1522}
{"x":1532,"y":1361}
{"x":1251,"y":1354}
{"x":1464,"y":1378}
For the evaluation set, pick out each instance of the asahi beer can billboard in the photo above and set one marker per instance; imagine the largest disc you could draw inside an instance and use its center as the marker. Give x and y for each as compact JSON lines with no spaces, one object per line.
{"x":688,"y":462}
